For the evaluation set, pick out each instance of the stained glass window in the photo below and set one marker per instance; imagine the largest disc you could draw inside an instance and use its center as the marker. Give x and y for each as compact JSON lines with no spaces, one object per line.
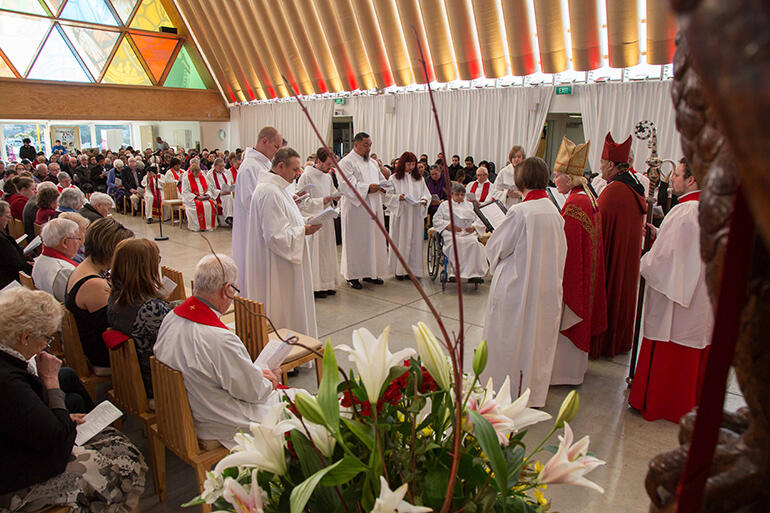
{"x":54,"y":5}
{"x":91,"y":11}
{"x":5,"y":70}
{"x":15,"y":133}
{"x":94,"y":46}
{"x":125,"y":67}
{"x":20,"y":38}
{"x":151,"y":16}
{"x":29,"y":6}
{"x":57,"y":62}
{"x":156,"y":52}
{"x":124,"y":8}
{"x":184,"y":73}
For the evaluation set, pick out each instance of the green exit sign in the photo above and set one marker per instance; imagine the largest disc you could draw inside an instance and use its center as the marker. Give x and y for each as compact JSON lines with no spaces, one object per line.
{"x":564,"y":89}
{"x":339,"y":101}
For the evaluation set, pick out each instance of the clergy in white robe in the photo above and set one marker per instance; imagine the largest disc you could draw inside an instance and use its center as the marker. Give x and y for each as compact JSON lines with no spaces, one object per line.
{"x":407,"y":205}
{"x":152,"y":182}
{"x":468,"y":227}
{"x":364,"y":253}
{"x":217,"y":180}
{"x":481,"y":186}
{"x":175,"y":174}
{"x":527,"y":253}
{"x":278,"y":271}
{"x":677,"y":317}
{"x":226,"y":390}
{"x":323,"y":243}
{"x":256,"y":161}
{"x":505,"y":184}
{"x":199,"y":207}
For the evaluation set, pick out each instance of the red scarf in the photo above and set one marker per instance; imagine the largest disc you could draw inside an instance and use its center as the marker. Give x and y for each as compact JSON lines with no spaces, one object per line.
{"x":195,"y":310}
{"x":50,"y":252}
{"x":690,"y":196}
{"x":536,"y":194}
{"x":219,"y":198}
{"x":153,"y":186}
{"x":234,"y":173}
{"x":176,"y":177}
{"x":199,"y":210}
{"x":484,"y":189}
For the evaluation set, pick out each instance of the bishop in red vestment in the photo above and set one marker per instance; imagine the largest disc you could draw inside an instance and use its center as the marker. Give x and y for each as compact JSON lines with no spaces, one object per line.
{"x":622,"y":206}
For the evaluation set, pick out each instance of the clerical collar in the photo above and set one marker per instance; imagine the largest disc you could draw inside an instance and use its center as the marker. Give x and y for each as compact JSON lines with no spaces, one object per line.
{"x":536,"y":194}
{"x":690,"y":196}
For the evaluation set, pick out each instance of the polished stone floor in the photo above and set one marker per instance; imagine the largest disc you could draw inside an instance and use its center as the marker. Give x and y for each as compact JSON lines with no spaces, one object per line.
{"x":618,"y":434}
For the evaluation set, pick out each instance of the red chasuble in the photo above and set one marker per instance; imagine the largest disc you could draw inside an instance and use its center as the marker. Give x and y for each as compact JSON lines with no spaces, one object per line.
{"x":195,"y":310}
{"x":622,"y":218}
{"x":152,"y":184}
{"x":584,"y":288}
{"x":199,"y":187}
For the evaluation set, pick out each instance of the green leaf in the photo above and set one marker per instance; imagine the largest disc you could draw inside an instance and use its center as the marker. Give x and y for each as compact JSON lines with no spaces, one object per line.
{"x":348,"y":468}
{"x":197,"y":501}
{"x":490,"y":444}
{"x":361,"y":431}
{"x":309,"y":408}
{"x":327,"y":390}
{"x":301,"y":493}
{"x":435,"y":486}
{"x":308,"y":459}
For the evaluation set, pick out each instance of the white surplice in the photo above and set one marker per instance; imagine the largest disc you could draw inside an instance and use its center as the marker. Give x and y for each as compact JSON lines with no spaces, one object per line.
{"x":676,"y":302}
{"x":208,"y":220}
{"x":527,"y":253}
{"x":226,"y":390}
{"x":253,"y":165}
{"x":278,"y":270}
{"x":364,"y":253}
{"x":323,"y":243}
{"x":598,"y":183}
{"x":473,"y":261}
{"x":215,"y":181}
{"x":149,"y":199}
{"x":169,"y":177}
{"x":505,"y":177}
{"x":407,"y":223}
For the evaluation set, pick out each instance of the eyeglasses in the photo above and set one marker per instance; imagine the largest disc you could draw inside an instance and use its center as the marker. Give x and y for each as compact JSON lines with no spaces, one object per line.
{"x":48,"y":341}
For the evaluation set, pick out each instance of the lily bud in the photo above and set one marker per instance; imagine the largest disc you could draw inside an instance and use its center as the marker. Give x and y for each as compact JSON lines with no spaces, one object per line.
{"x":568,"y":409}
{"x":480,"y":356}
{"x":433,"y":356}
{"x":308,"y":407}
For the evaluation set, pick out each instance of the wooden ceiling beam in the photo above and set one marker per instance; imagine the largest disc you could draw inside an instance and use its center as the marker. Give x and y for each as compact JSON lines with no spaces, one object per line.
{"x":395,"y":46}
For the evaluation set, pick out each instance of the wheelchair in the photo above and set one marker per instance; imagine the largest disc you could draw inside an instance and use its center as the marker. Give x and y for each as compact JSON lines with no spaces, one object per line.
{"x":438,"y":263}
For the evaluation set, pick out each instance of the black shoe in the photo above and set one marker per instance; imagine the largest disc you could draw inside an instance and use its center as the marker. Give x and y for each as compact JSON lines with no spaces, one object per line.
{"x":229,"y":221}
{"x":376,"y":281}
{"x":330,"y":292}
{"x":149,"y":221}
{"x":356,"y":284}
{"x":293,"y":372}
{"x":451,"y":279}
{"x":476,"y":280}
{"x":401,"y":277}
{"x":320,"y":294}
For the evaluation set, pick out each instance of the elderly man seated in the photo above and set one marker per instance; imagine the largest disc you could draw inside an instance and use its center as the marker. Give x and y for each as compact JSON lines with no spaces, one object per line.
{"x":99,"y":205}
{"x":226,"y":390}
{"x":71,"y":200}
{"x":65,"y":182}
{"x":481,"y":187}
{"x":61,"y":240}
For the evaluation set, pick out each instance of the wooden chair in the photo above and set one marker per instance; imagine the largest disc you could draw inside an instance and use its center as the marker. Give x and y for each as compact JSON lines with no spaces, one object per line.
{"x":26,"y":280}
{"x":176,"y":276}
{"x":128,"y":392}
{"x":16,"y":229}
{"x":172,"y":201}
{"x":253,"y":331}
{"x":175,"y":429}
{"x":38,"y":229}
{"x":55,"y":509}
{"x":76,"y":358}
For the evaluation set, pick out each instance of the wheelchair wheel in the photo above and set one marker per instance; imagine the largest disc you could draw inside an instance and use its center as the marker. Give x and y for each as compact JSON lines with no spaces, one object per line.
{"x":435,"y":255}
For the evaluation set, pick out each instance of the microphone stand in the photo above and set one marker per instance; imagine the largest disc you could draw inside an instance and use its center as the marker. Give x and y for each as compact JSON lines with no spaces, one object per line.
{"x":160,"y":207}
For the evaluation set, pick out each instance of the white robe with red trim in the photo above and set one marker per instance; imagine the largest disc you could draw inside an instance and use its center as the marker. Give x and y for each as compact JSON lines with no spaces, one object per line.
{"x":224,"y":201}
{"x":201,"y":214}
{"x":481,"y":191}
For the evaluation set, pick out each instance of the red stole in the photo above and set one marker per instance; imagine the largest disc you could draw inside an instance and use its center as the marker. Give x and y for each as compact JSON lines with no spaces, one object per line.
{"x":536,"y":194}
{"x":195,"y":310}
{"x":690,"y":196}
{"x":152,"y":184}
{"x":176,"y":177}
{"x":219,"y":198}
{"x":50,"y":252}
{"x":484,"y":189}
{"x":199,"y":210}
{"x":234,"y":172}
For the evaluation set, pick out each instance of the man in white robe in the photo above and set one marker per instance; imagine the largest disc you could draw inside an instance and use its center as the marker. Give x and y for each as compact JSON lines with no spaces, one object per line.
{"x":505,"y":185}
{"x":323,"y":244}
{"x":526,"y":253}
{"x":278,"y":271}
{"x":218,"y":181}
{"x":481,"y":187}
{"x":468,"y":227}
{"x":226,"y":390}
{"x":52,"y":269}
{"x":256,"y":161}
{"x":364,"y":253}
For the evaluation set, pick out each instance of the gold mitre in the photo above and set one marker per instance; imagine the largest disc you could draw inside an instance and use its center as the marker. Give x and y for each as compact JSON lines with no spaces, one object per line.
{"x":572,"y":157}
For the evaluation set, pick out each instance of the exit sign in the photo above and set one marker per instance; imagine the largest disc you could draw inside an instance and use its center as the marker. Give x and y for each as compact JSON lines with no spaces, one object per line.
{"x":339,"y":101}
{"x":564,"y":89}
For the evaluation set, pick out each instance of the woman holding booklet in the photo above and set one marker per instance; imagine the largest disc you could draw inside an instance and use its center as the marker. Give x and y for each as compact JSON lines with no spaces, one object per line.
{"x":406,"y":202}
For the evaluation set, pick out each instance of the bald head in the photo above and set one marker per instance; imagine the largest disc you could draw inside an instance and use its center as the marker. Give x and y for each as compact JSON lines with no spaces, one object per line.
{"x":269,"y":140}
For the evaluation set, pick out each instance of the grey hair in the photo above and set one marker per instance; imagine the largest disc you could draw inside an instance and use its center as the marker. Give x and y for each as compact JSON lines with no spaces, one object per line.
{"x":45,"y":185}
{"x":213,"y":272}
{"x":31,"y":311}
{"x":99,"y":198}
{"x":62,"y":176}
{"x":117,"y":164}
{"x":457,"y":187}
{"x":72,"y":198}
{"x":57,"y":229}
{"x":4,"y":207}
{"x":41,"y":166}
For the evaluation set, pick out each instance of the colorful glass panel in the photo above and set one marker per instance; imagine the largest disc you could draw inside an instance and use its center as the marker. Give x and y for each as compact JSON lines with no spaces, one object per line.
{"x":20,"y":38}
{"x":91,"y":11}
{"x":54,"y":5}
{"x":93,"y":46}
{"x":57,"y":62}
{"x":184,"y":73}
{"x":5,"y":70}
{"x":125,"y":68}
{"x":156,"y":52}
{"x":28,"y":6}
{"x":151,"y":16}
{"x":124,"y":8}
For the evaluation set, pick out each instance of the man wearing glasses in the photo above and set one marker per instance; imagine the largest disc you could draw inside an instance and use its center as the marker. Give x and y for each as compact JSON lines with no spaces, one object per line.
{"x":61,"y":240}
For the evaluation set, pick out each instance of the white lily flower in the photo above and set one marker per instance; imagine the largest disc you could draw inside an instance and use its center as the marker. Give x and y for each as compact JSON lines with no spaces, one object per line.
{"x":263,"y":448}
{"x":373,"y":359}
{"x":570,"y":463}
{"x":393,"y":501}
{"x":319,"y":435}
{"x":213,"y":487}
{"x":242,"y":499}
{"x":433,"y":355}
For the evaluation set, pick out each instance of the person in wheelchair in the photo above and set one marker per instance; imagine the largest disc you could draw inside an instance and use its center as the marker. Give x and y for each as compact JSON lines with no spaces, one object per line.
{"x":468,"y":227}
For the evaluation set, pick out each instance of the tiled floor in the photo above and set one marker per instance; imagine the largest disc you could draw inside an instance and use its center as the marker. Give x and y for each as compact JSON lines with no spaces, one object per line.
{"x":618,"y":434}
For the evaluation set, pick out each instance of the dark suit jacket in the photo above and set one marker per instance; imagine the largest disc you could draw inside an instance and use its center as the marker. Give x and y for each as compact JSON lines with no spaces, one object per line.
{"x":90,"y":213}
{"x":127,"y":177}
{"x":11,"y":260}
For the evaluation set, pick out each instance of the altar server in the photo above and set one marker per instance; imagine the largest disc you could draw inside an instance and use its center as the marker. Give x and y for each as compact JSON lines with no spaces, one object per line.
{"x":585,"y":303}
{"x":323,"y":244}
{"x":407,"y":204}
{"x":678,"y":317}
{"x":216,"y":179}
{"x":153,"y":186}
{"x":256,"y":161}
{"x":526,"y":255}
{"x":278,"y":271}
{"x":200,"y":208}
{"x":468,"y":227}
{"x":505,"y":185}
{"x":364,"y":254}
{"x":175,"y":173}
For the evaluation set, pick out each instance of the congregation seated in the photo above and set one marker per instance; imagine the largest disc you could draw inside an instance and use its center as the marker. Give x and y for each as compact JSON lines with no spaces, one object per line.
{"x":12,"y":259}
{"x":21,"y":190}
{"x":41,"y":465}
{"x":46,"y":205}
{"x":88,"y":289}
{"x":136,"y":306}
{"x":98,"y":207}
{"x":52,"y":269}
{"x":226,"y":390}
{"x":468,"y":226}
{"x":71,"y":200}
{"x":29,"y":212}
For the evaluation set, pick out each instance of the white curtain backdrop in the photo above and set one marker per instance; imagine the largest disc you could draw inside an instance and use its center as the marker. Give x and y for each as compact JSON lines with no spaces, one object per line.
{"x":617,"y":108}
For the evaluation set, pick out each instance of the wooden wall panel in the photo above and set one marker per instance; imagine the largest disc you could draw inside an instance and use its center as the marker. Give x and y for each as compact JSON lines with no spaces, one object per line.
{"x":27,"y":99}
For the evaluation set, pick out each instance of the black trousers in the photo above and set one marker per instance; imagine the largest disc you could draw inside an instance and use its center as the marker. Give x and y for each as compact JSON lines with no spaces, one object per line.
{"x":76,"y":396}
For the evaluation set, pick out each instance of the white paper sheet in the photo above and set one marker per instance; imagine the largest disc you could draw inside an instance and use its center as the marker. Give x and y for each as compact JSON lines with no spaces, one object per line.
{"x":385,"y":184}
{"x":21,"y":239}
{"x":33,"y":245}
{"x":305,"y":188}
{"x":412,"y":201}
{"x":227,"y":187}
{"x":493,"y":213}
{"x":99,"y":418}
{"x":464,"y":222}
{"x":14,"y":284}
{"x":321,"y":217}
{"x":273,"y":354}
{"x":169,"y":286}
